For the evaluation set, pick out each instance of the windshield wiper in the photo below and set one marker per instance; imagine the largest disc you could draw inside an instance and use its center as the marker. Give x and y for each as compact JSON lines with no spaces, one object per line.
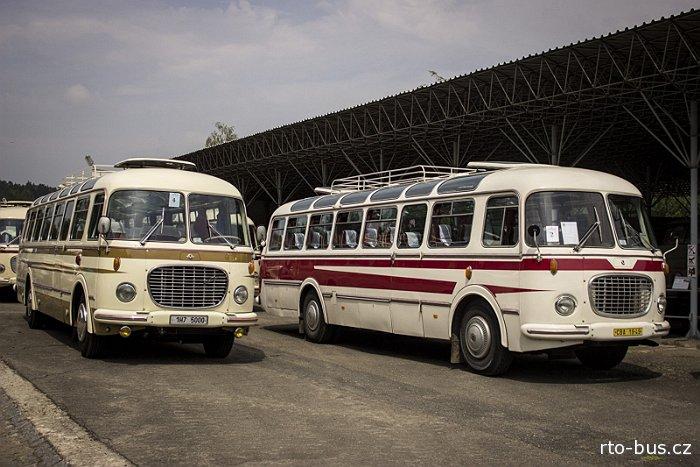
{"x":212,"y":229}
{"x":16,"y":239}
{"x":145,"y":238}
{"x":589,"y":232}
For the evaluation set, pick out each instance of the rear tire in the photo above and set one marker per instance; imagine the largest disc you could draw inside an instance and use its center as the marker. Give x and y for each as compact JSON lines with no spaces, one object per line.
{"x":480,"y":342}
{"x":91,"y":345}
{"x":219,"y":346}
{"x":315,"y":327}
{"x":601,"y":358}
{"x":35,"y":319}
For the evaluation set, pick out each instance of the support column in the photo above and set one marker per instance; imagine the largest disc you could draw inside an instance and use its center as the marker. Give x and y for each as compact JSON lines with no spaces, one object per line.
{"x":693,"y":332}
{"x":554,"y":159}
{"x":455,"y":153}
{"x":324,"y":173}
{"x":278,"y":182}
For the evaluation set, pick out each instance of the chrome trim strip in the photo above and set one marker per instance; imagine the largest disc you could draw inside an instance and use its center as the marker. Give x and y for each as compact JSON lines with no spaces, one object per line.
{"x":327,"y":294}
{"x":558,"y":333}
{"x":280,"y":282}
{"x":107,"y":317}
{"x":510,"y":311}
{"x":363,"y":299}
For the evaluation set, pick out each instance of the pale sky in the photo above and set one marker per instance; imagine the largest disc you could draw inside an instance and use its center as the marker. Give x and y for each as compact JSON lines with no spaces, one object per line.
{"x":149,"y":78}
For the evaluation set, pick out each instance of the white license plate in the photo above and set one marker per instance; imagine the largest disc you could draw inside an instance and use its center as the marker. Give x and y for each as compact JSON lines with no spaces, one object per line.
{"x":186,"y":320}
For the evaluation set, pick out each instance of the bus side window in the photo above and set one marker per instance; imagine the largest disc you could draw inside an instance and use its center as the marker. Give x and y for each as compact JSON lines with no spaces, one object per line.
{"x":30,"y":226}
{"x":95,"y":216}
{"x":451,"y":224}
{"x":501,"y":223}
{"x":78,"y":227}
{"x":296,"y":230}
{"x":57,"y":219}
{"x":276,"y":234}
{"x":412,"y":225}
{"x":45,"y":227}
{"x":380,"y":226}
{"x":37,"y":226}
{"x":66,"y":220}
{"x":320,"y":228}
{"x":347,"y":229}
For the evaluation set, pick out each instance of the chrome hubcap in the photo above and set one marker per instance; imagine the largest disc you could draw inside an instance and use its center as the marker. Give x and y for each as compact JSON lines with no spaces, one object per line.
{"x":478,"y":337}
{"x":313,"y":315}
{"x":81,"y":322}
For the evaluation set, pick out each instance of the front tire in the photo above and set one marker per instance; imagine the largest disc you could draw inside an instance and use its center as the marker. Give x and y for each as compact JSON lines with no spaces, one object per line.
{"x":315,"y":327}
{"x":480,"y":342}
{"x":219,"y":346}
{"x":601,"y":358}
{"x":35,"y":319}
{"x":91,"y":345}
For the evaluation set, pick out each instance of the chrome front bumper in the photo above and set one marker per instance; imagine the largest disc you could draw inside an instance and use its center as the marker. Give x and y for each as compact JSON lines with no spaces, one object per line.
{"x":161,"y":318}
{"x":593,"y":331}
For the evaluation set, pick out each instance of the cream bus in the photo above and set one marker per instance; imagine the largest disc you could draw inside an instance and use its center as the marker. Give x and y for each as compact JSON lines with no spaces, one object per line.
{"x":12,"y":215}
{"x":497,"y":258}
{"x":153,"y":249}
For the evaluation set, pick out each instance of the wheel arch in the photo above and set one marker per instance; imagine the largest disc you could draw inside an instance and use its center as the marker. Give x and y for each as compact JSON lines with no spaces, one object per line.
{"x":80,"y":287}
{"x":29,"y":284}
{"x":470,"y":294}
{"x":308,"y":285}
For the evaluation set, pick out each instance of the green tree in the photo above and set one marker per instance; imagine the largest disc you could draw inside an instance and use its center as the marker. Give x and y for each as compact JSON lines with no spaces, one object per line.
{"x":23,"y":192}
{"x":223,"y":134}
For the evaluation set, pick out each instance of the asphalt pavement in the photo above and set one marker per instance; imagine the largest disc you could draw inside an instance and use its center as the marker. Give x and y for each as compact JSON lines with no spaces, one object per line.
{"x":369,"y":398}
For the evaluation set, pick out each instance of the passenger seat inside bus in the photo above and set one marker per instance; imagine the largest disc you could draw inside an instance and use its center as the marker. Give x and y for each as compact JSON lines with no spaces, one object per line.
{"x":445,"y":234}
{"x":371,"y":237}
{"x":350,"y":238}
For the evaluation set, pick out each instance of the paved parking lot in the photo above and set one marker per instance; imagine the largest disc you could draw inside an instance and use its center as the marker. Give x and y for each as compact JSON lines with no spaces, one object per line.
{"x":368,"y":398}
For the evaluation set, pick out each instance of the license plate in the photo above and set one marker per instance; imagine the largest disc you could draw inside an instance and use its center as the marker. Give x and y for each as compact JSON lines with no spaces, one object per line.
{"x":627,"y":332}
{"x":189,"y":320}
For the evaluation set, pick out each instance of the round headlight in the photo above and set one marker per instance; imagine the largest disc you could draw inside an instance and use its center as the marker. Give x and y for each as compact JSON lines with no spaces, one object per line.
{"x":661,"y":303}
{"x":126,"y":292}
{"x":2,"y":268}
{"x":565,"y":305}
{"x":13,"y":263}
{"x":240,"y":295}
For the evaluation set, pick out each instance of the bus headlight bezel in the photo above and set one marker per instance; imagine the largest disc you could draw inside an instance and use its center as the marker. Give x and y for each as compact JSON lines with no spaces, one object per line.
{"x":661,"y":304}
{"x":240,"y":294}
{"x":565,"y":305}
{"x":13,"y":263}
{"x":126,"y":292}
{"x":2,"y":268}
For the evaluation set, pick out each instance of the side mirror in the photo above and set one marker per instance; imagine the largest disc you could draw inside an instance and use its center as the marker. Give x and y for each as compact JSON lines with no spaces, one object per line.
{"x":533,"y":230}
{"x":103,"y":225}
{"x":261,"y":234}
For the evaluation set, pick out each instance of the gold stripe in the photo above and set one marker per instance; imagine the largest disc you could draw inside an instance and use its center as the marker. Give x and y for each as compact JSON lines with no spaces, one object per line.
{"x":152,"y":254}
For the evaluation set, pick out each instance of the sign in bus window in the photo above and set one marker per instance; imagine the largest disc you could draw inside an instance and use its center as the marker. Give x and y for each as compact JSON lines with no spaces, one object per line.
{"x":320,"y":227}
{"x":451,"y":224}
{"x":380,"y":225}
{"x":412,"y":225}
{"x":347,"y":229}
{"x":294,"y":237}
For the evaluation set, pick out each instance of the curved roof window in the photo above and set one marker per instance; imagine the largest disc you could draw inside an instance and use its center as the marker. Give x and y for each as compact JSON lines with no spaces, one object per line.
{"x":54,"y":195}
{"x":75,"y":188}
{"x":421,"y":189}
{"x":355,"y":198}
{"x":89,"y":184}
{"x":303,"y":204}
{"x":390,"y":192}
{"x":460,"y":184}
{"x":64,"y":192}
{"x":328,"y":200}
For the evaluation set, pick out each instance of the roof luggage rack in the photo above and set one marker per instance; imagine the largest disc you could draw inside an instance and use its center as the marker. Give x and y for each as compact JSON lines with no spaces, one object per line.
{"x":403,"y":176}
{"x":4,"y":203}
{"x":150,"y":162}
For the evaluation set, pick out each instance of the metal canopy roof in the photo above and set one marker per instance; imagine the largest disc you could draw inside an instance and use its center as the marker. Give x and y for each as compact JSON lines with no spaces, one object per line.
{"x":619,"y":103}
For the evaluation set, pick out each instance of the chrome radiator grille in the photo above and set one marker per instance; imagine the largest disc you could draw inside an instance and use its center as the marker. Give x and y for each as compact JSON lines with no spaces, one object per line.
{"x":621,"y":296}
{"x":187,"y":286}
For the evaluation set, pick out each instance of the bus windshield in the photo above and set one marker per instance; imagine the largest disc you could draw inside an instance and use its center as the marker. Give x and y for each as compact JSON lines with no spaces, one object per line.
{"x":564,"y":218}
{"x":217,"y":220}
{"x":135,"y":212}
{"x":631,"y":223}
{"x":10,"y":229}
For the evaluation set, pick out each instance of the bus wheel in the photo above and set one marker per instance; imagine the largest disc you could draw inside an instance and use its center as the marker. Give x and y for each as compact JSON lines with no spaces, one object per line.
{"x":601,"y":358}
{"x":315,"y":326}
{"x":34,"y":317}
{"x":90,"y":344}
{"x":480,"y":342}
{"x":219,"y":346}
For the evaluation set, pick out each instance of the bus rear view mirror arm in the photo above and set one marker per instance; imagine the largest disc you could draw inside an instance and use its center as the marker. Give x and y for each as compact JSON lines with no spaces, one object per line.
{"x":534,"y":231}
{"x":104,"y":225}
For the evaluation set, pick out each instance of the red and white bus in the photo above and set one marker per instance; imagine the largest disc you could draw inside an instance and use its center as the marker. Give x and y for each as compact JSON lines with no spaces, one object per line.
{"x":497,"y":258}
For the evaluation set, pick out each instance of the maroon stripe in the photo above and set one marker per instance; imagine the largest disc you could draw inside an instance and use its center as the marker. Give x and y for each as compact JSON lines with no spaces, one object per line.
{"x":497,"y":289}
